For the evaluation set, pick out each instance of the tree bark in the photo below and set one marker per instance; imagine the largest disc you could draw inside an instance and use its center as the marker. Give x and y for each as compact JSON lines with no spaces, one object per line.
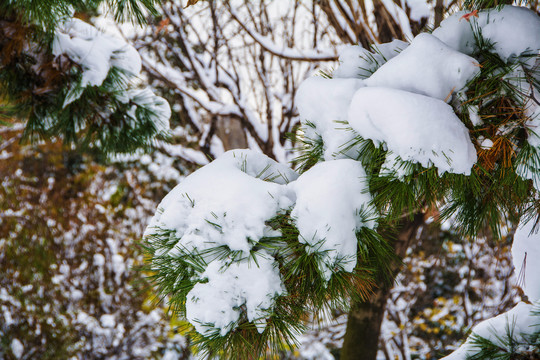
{"x":363,"y":327}
{"x":361,"y":339}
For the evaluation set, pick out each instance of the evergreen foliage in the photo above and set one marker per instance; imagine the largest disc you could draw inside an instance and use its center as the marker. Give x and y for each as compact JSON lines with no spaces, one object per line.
{"x":48,"y":91}
{"x":493,"y":106}
{"x":509,"y":345}
{"x":44,"y":87}
{"x":307,"y":294}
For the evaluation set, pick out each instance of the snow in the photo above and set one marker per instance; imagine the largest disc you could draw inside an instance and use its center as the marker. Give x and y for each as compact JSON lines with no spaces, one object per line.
{"x":419,"y":9}
{"x":330,"y":200}
{"x":421,"y":129}
{"x":226,"y":202}
{"x":427,"y":67}
{"x":532,"y":111}
{"x":107,"y":321}
{"x":324,"y":103}
{"x":475,"y":118}
{"x":158,"y":107}
{"x":95,"y":51}
{"x":519,"y":319}
{"x":99,"y":260}
{"x":512,"y":30}
{"x":415,"y":127}
{"x":525,"y":255}
{"x":315,"y":351}
{"x":17,"y":348}
{"x":389,"y":50}
{"x":484,"y":143}
{"x":357,"y":62}
{"x":217,"y":304}
{"x":353,"y":63}
{"x":282,"y":50}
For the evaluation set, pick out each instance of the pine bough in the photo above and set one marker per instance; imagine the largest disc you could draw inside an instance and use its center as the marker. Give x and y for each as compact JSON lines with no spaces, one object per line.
{"x":245,"y":248}
{"x":67,"y":79}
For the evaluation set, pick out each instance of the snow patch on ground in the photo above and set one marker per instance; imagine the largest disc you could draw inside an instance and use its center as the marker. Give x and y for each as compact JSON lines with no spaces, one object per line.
{"x":17,"y":348}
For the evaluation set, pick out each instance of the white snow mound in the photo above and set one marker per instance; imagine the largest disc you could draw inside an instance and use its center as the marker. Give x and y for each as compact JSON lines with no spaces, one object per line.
{"x":216,"y":304}
{"x":525,"y":255}
{"x":360,"y":63}
{"x":428,"y":67}
{"x":519,"y":319}
{"x":225,"y":203}
{"x":512,"y":30}
{"x":329,"y":200}
{"x":324,"y":103}
{"x":415,"y":127}
{"x":95,"y":51}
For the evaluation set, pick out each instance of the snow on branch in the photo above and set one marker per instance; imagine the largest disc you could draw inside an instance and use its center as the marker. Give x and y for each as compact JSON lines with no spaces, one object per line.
{"x":283,"y":51}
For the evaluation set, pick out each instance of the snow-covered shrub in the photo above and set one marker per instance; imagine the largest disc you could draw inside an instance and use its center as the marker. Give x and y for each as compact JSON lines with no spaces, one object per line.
{"x":69,"y":80}
{"x":446,"y":122}
{"x":447,"y":284}
{"x":243,"y":247}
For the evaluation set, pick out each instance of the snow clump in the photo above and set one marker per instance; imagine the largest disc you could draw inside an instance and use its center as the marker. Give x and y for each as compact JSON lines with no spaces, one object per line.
{"x":525,"y":255}
{"x":512,"y":30}
{"x":223,"y":208}
{"x":98,"y":53}
{"x":324,"y":103}
{"x":227,"y":202}
{"x":428,"y":67}
{"x":415,"y":127}
{"x":519,"y":320}
{"x":214,"y":221}
{"x":331,"y":198}
{"x":396,"y":97}
{"x":216,"y":304}
{"x":95,"y":51}
{"x":360,"y":63}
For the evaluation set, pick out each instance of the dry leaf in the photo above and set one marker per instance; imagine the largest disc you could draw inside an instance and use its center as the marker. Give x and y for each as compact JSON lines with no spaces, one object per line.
{"x":162,"y":24}
{"x":191,"y":2}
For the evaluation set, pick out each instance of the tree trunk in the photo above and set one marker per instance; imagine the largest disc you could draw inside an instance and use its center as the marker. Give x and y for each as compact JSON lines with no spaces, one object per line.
{"x":363,"y":327}
{"x":364,"y":324}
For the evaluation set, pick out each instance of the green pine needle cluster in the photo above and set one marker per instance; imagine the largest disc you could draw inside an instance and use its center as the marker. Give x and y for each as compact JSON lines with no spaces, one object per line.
{"x":507,"y":346}
{"x":308,"y":292}
{"x":35,"y":85}
{"x":47,"y":14}
{"x":496,"y":192}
